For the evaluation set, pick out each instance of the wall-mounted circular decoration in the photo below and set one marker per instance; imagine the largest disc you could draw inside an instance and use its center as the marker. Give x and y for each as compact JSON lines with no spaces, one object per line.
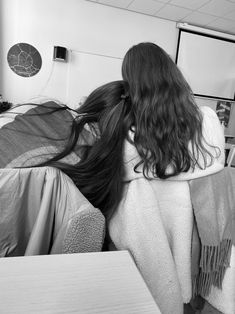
{"x":24,"y":59}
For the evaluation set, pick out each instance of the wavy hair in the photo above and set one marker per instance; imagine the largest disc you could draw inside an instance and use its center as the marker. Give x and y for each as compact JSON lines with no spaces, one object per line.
{"x":166,"y":118}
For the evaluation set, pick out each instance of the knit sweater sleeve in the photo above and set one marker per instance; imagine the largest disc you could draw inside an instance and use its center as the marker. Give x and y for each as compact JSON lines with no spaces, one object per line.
{"x":214,"y":142}
{"x":213,"y":132}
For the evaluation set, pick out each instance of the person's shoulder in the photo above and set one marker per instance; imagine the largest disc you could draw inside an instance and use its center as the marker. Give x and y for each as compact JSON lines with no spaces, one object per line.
{"x":210,"y":119}
{"x":48,"y":105}
{"x":207,"y":111}
{"x":27,"y":106}
{"x":51,"y":103}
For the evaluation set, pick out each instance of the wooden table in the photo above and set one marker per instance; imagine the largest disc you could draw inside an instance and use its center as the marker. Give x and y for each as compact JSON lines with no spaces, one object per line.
{"x":106,"y":282}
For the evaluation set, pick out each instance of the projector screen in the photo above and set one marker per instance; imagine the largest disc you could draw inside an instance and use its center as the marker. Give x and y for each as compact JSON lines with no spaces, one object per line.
{"x":207,"y":63}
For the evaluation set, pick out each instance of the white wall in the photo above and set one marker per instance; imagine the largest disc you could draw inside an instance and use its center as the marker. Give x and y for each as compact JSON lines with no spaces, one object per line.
{"x":80,"y":26}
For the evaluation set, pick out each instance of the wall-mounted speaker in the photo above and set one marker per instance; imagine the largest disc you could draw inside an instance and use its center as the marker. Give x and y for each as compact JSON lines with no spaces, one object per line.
{"x":60,"y":54}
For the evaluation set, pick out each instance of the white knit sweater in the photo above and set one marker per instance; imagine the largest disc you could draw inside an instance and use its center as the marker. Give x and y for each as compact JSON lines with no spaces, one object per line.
{"x":154,"y":222}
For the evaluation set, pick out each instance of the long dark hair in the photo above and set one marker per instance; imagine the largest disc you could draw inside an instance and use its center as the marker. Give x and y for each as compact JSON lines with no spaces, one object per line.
{"x":100,"y":171}
{"x":166,"y":118}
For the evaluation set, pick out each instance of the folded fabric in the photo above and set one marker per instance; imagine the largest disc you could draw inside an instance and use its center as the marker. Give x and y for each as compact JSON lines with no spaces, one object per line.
{"x":213,"y":235}
{"x":43,"y":212}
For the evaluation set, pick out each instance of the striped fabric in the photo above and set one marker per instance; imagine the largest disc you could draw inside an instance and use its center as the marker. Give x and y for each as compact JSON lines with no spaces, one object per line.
{"x":30,"y":134}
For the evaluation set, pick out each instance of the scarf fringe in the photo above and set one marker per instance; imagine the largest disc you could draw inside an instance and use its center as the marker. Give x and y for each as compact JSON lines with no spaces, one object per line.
{"x":213,"y":264}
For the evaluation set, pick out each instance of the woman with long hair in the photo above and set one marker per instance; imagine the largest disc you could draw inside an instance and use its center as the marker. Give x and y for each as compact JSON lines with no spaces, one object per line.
{"x":99,"y":172}
{"x":168,"y":124}
{"x":169,"y":142}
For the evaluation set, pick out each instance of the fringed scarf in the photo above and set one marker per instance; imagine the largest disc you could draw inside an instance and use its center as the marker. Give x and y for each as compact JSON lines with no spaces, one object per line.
{"x":213,"y":200}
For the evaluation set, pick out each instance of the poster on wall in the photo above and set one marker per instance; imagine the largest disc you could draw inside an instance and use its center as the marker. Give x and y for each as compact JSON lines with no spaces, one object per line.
{"x":24,"y":60}
{"x":223,"y":109}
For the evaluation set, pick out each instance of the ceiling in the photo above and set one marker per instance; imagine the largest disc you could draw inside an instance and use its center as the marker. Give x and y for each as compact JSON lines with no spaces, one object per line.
{"x":218,"y":15}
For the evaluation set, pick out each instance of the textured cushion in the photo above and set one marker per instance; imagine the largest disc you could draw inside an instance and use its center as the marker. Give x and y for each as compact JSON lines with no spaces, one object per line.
{"x":85,"y":232}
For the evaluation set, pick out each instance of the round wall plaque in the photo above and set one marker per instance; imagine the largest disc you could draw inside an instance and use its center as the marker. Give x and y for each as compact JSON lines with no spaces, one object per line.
{"x":24,"y":59}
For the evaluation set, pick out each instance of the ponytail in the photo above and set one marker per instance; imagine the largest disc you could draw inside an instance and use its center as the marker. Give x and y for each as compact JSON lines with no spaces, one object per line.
{"x":100,"y":176}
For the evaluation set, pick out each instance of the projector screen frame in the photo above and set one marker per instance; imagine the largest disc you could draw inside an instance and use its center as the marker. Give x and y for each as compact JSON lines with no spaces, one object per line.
{"x":217,"y":37}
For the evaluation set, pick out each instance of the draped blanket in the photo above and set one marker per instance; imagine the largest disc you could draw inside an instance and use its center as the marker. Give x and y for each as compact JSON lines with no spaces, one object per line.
{"x":43,"y":212}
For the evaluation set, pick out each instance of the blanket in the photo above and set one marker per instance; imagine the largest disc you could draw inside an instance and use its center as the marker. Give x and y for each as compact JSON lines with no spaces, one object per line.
{"x":43,"y":212}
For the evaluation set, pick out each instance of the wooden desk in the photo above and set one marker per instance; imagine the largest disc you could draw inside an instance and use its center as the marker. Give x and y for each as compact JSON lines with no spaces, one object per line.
{"x":106,"y":282}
